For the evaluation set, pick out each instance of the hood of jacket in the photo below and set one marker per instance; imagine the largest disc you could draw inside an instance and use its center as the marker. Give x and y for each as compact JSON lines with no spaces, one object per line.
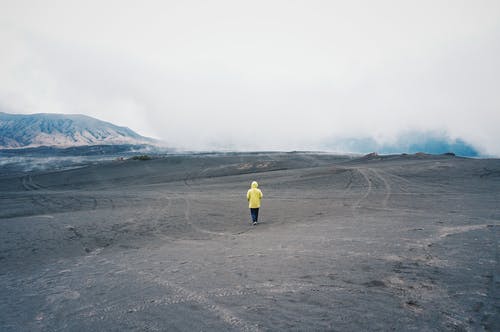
{"x":255,"y":184}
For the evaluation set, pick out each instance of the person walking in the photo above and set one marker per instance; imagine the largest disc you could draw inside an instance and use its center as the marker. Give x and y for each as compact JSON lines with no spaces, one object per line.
{"x":254,"y":195}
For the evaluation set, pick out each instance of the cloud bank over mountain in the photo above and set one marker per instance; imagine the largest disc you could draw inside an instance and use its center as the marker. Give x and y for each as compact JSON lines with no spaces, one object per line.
{"x":410,"y":142}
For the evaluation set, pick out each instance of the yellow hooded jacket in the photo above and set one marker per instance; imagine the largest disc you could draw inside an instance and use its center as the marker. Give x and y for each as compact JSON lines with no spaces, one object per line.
{"x":254,"y":195}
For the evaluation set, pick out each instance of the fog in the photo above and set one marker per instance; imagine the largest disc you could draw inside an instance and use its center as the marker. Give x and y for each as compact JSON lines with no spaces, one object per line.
{"x":259,"y":75}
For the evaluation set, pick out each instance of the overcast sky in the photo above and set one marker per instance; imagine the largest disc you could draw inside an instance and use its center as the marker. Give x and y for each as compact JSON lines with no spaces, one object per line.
{"x":259,"y":74}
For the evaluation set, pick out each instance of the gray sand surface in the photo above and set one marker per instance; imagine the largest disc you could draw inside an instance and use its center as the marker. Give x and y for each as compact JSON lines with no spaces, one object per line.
{"x":403,"y":243}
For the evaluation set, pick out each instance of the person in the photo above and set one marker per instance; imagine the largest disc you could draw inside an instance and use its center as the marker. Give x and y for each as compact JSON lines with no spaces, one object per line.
{"x":254,"y":195}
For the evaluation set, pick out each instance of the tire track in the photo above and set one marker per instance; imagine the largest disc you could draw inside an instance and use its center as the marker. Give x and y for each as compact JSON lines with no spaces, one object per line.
{"x":164,"y":211}
{"x":57,"y":201}
{"x":182,"y":294}
{"x":187,"y":217}
{"x":367,"y":174}
{"x":177,"y":294}
{"x":36,"y":197}
{"x":403,"y":183}
{"x":348,"y":186}
{"x":28,"y":184}
{"x":357,"y":205}
{"x":388,"y":188}
{"x":260,"y":289}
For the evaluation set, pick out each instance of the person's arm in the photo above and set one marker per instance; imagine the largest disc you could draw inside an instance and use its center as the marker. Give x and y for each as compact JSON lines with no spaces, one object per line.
{"x":248,"y":195}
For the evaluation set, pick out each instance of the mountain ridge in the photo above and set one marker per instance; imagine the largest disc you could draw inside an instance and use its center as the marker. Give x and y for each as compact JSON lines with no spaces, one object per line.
{"x":63,"y":130}
{"x":410,"y":142}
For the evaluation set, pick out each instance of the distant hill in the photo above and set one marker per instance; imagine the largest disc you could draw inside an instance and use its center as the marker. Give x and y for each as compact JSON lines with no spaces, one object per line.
{"x":410,"y":142}
{"x":62,"y":130}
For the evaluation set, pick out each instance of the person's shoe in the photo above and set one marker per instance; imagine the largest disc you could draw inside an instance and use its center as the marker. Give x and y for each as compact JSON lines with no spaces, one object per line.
{"x":254,"y":223}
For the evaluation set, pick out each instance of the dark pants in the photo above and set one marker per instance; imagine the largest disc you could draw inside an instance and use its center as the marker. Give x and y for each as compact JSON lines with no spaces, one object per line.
{"x":255,"y":214}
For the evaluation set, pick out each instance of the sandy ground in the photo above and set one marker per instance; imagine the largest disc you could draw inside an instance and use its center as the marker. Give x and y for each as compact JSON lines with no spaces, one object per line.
{"x":373,"y":244}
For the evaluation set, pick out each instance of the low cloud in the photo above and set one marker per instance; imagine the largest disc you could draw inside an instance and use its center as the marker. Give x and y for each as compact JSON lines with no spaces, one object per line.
{"x":286,"y":75}
{"x":409,"y":142}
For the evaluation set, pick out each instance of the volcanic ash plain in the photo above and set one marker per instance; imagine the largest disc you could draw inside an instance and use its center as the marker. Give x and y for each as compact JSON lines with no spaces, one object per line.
{"x":407,"y":242}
